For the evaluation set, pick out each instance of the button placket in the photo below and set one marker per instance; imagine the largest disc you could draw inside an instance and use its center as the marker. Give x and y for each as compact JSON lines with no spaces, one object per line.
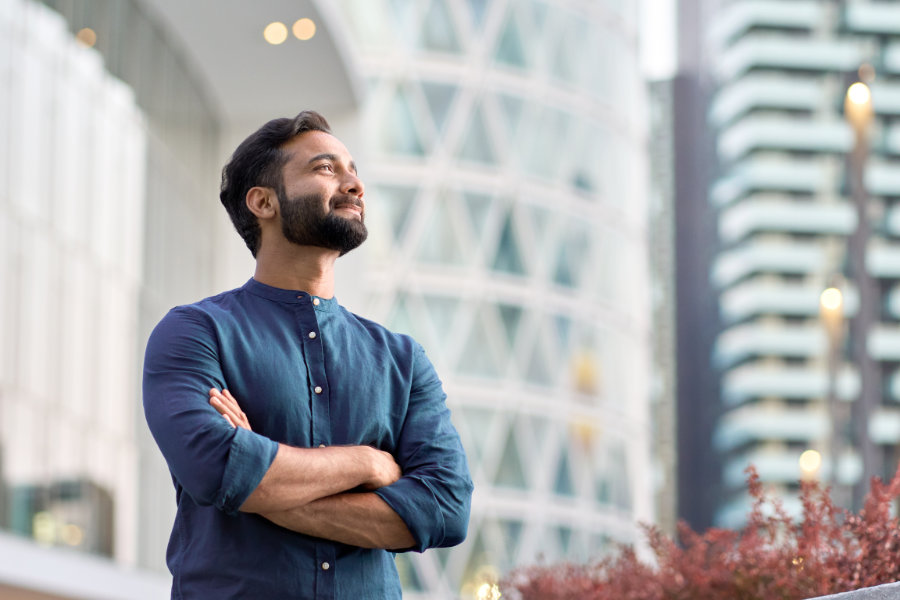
{"x":311,"y":334}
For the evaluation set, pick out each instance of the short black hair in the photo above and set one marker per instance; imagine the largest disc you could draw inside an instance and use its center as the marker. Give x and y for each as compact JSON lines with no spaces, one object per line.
{"x":258,"y":162}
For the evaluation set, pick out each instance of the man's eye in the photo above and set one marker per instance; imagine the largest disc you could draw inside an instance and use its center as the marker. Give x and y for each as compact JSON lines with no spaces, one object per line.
{"x":325,"y":167}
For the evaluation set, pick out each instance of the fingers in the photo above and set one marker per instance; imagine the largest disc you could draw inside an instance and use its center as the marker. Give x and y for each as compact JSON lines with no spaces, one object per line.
{"x":385,"y":469}
{"x":228,"y":395}
{"x":228,"y":407}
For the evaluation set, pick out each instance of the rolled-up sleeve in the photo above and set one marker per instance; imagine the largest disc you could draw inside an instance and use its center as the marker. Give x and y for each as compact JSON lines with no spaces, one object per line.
{"x":213,"y":462}
{"x":433,"y":497}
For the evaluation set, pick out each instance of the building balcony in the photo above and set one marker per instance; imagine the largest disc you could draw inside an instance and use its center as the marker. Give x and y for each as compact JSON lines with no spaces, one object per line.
{"x":883,"y":260}
{"x":770,"y":213}
{"x":885,"y":98}
{"x":766,"y":379}
{"x":797,"y":258}
{"x":820,"y":176}
{"x":733,"y":515}
{"x":758,"y":90}
{"x":796,"y":93}
{"x":893,"y":386}
{"x":817,"y":175}
{"x":798,"y":341}
{"x":891,"y":58}
{"x":884,"y":342}
{"x":892,"y":301}
{"x":790,"y":257}
{"x":781,"y":465}
{"x":742,"y":16}
{"x":762,"y":339}
{"x":883,"y":178}
{"x":777,"y":466}
{"x":884,"y":426}
{"x":875,"y":17}
{"x":802,"y":54}
{"x":762,"y":380}
{"x":892,"y":221}
{"x":760,"y":422}
{"x":771,"y":296}
{"x":781,"y":133}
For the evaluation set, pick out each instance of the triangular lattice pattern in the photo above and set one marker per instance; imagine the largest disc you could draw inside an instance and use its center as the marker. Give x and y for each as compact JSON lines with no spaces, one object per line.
{"x":503,"y":135}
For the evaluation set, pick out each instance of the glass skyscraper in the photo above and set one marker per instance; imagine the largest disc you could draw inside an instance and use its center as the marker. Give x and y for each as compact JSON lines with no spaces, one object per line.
{"x":507,"y":176}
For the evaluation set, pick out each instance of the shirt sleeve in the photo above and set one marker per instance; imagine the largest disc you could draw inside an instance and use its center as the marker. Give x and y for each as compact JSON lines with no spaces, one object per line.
{"x":213,"y":462}
{"x":433,"y":497}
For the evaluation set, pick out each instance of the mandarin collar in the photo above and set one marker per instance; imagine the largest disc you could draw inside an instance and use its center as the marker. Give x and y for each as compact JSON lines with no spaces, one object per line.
{"x":289,"y":296}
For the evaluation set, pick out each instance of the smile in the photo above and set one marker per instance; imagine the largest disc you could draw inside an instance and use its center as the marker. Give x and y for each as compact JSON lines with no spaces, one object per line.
{"x":357,"y":210}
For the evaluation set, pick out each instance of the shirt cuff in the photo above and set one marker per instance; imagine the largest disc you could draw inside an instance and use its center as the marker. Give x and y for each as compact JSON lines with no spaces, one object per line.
{"x":249,"y":458}
{"x":415,"y":503}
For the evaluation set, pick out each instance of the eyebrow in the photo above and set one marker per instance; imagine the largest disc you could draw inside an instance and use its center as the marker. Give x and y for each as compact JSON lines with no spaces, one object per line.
{"x":332,"y":158}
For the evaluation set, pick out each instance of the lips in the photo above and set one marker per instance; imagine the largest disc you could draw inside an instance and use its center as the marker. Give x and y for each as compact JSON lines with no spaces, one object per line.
{"x":352,"y":204}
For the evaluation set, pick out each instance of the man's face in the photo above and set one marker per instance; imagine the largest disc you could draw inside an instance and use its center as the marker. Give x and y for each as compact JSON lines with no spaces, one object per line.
{"x":321,"y":196}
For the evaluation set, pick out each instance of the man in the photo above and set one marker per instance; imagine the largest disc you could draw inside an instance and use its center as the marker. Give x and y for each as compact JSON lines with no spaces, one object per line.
{"x":306,"y":444}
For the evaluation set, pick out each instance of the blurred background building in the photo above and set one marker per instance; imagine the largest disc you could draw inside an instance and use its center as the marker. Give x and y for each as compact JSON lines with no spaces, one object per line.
{"x":808,"y":383}
{"x":504,"y":145}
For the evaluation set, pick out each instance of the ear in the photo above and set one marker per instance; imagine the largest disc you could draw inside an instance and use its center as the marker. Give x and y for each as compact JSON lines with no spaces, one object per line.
{"x":262,"y":202}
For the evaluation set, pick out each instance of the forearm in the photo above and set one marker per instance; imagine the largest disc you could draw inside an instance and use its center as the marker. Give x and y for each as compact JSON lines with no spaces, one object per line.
{"x":362,"y":519}
{"x":299,"y":476}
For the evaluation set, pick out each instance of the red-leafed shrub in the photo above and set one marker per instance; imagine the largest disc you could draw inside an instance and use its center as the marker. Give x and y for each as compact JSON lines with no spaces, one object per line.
{"x":773,"y":557}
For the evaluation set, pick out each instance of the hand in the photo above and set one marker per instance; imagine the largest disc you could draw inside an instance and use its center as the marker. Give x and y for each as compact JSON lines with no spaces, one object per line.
{"x":228,"y":407}
{"x":384,"y":469}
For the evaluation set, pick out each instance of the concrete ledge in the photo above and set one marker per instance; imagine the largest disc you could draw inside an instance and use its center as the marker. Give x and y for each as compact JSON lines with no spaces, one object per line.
{"x":32,"y":572}
{"x":888,"y":591}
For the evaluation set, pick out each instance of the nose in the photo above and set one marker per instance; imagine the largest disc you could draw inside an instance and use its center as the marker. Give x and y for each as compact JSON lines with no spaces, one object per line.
{"x":352,"y":185}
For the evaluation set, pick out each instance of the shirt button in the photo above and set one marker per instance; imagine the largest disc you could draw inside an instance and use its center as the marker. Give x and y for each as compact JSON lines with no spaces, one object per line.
{"x":312,"y":335}
{"x":325,"y":566}
{"x":318,"y":389}
{"x":316,"y":303}
{"x":321,"y":445}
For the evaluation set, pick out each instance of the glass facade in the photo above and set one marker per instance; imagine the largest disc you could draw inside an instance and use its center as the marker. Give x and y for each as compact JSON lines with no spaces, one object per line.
{"x":508,"y":217}
{"x":72,"y":198}
{"x":179,"y":216}
{"x":104,"y":153}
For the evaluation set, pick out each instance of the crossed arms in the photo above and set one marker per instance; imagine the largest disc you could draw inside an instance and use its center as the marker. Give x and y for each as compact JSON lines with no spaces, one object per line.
{"x":351,"y":494}
{"x":305,"y":489}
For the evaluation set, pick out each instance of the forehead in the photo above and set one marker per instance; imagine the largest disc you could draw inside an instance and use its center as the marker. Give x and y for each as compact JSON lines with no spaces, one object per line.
{"x":314,"y":143}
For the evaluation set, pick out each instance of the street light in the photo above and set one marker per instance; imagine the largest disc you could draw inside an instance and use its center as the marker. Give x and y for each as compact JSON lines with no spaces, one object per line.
{"x":859,"y":114}
{"x":810,"y":462}
{"x":831,"y":310}
{"x":858,"y":106}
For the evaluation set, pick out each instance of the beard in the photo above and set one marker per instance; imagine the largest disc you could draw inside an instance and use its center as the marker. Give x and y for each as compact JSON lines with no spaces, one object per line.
{"x":305,"y":222}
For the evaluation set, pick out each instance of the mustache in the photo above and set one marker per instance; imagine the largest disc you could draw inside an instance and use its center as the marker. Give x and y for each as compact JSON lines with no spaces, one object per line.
{"x":338,"y":201}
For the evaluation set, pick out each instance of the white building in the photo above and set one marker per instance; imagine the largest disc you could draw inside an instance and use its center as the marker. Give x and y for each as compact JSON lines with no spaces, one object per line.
{"x":785,"y":213}
{"x":503,"y":145}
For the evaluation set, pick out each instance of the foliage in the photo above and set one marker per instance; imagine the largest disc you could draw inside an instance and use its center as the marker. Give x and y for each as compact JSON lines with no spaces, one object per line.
{"x":829,"y":550}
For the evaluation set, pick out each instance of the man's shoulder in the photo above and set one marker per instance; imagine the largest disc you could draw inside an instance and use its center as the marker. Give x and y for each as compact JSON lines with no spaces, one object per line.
{"x":379,"y":332}
{"x":208,"y":310}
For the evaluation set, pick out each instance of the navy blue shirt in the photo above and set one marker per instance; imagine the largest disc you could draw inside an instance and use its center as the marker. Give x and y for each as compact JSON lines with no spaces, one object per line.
{"x":307,"y":372}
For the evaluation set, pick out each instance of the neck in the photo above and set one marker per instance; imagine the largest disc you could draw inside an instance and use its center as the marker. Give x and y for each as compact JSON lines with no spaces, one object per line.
{"x":306,"y":268}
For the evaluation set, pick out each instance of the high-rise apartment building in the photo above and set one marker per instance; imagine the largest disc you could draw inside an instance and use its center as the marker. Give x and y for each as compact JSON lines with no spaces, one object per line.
{"x":503,"y":144}
{"x":786,"y":212}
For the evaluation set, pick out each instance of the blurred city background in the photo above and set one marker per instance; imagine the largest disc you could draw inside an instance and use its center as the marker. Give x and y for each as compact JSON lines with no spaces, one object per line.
{"x":646,"y":244}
